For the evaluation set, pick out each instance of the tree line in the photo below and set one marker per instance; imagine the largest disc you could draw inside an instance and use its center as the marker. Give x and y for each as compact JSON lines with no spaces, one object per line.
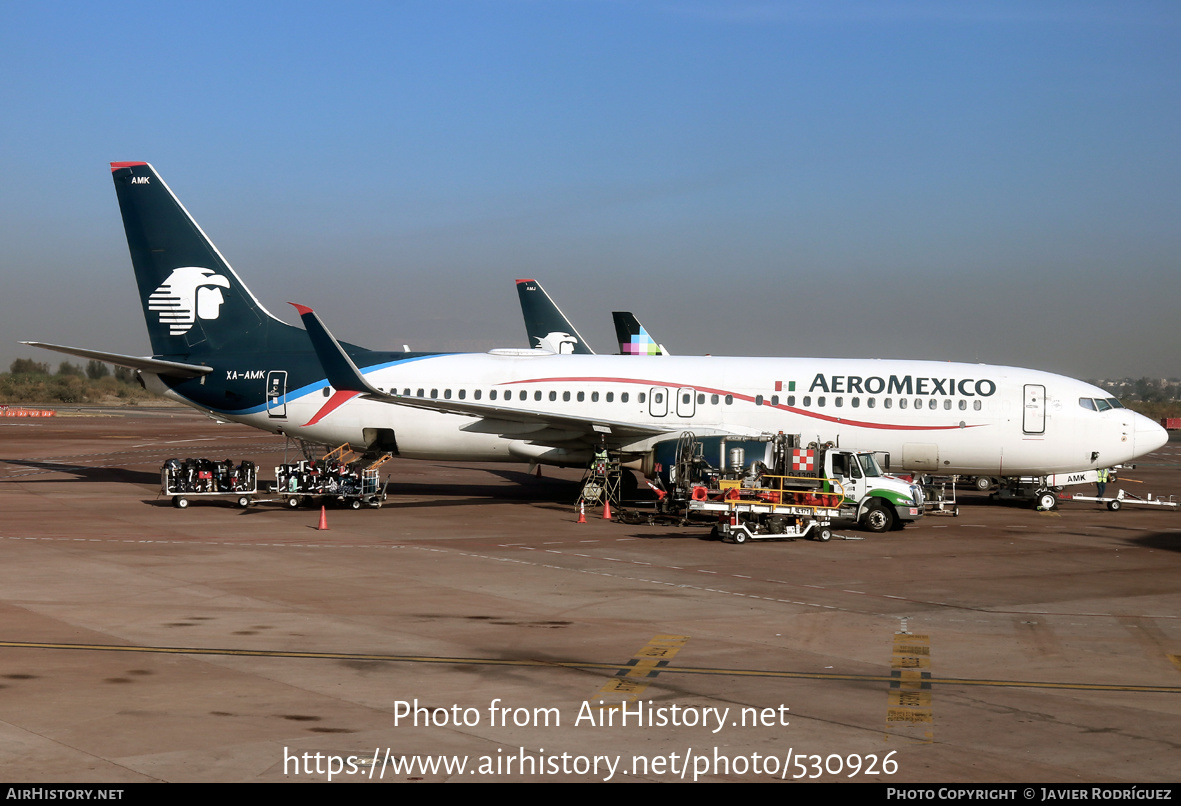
{"x":29,"y":381}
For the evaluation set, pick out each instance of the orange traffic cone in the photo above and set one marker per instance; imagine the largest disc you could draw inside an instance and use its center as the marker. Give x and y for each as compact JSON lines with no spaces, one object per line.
{"x":581,"y":512}
{"x":323,"y":527}
{"x":607,"y":509}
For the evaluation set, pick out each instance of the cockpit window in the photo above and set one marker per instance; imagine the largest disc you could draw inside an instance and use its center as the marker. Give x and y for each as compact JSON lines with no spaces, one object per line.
{"x":1102,"y":404}
{"x":1087,"y":403}
{"x":1115,"y":404}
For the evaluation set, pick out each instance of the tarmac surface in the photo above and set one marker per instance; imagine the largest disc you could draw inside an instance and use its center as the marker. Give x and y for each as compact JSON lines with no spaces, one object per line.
{"x":141,"y":642}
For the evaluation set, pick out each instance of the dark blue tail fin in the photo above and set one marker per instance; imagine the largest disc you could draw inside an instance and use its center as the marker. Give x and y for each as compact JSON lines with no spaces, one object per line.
{"x":194,"y":303}
{"x":547,"y":326}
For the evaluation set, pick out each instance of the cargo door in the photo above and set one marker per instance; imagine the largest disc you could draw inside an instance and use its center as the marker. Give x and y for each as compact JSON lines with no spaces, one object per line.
{"x":1033,"y":420}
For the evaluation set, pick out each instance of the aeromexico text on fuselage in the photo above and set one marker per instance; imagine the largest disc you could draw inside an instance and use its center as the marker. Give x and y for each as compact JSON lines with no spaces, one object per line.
{"x":905,"y":385}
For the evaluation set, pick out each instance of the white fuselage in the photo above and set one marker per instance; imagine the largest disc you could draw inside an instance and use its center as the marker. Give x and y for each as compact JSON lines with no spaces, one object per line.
{"x":931,"y":417}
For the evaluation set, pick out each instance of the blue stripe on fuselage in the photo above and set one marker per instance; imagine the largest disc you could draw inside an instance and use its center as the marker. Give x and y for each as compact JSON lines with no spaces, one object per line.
{"x":311,"y":388}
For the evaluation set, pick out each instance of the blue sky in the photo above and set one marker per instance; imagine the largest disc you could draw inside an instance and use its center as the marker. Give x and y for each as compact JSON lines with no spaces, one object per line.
{"x":993,"y":182}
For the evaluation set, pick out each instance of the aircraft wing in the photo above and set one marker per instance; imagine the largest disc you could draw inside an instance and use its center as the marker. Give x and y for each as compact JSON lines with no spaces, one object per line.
{"x":544,"y":427}
{"x":174,"y":369}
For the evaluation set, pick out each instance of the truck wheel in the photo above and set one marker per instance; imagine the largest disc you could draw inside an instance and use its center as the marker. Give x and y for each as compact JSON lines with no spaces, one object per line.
{"x":1114,"y":506}
{"x":877,"y":518}
{"x":243,"y":501}
{"x":739,"y":535}
{"x":180,"y":502}
{"x":293,"y":502}
{"x":1047,"y":501}
{"x":355,"y":503}
{"x":823,"y":534}
{"x":983,"y":483}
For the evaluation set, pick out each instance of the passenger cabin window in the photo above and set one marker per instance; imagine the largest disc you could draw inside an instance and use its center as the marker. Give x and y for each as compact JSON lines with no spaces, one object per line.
{"x":774,"y":400}
{"x":791,"y":400}
{"x":901,"y":402}
{"x":537,"y":395}
{"x":553,"y":396}
{"x":976,"y":405}
{"x":327,"y":391}
{"x":462,"y":394}
{"x":713,"y":399}
{"x":807,"y":400}
{"x":701,"y":400}
{"x":729,"y":400}
{"x":820,"y":401}
{"x":420,"y":393}
{"x":434,"y":394}
{"x":623,"y":397}
{"x":758,"y":400}
{"x":610,"y":397}
{"x":565,"y":397}
{"x":642,"y":396}
{"x":581,"y":396}
{"x":447,"y":394}
{"x":594,"y":397}
{"x":491,"y":395}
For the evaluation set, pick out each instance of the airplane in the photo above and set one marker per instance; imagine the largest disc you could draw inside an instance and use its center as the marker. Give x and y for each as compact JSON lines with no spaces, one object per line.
{"x":633,"y":338}
{"x":216,"y":348}
{"x":546,"y":325}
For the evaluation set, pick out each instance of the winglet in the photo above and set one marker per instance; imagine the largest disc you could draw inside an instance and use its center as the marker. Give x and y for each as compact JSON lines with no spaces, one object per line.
{"x":340,"y":370}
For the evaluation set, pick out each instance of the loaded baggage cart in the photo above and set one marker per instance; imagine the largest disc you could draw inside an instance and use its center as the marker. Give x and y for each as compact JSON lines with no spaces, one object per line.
{"x":207,"y":478}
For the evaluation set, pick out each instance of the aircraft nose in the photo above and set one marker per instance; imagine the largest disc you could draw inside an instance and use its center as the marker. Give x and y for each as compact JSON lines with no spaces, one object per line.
{"x":1149,"y":435}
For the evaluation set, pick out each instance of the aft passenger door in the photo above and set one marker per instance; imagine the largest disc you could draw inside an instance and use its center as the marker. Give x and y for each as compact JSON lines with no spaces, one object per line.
{"x":277,"y":393}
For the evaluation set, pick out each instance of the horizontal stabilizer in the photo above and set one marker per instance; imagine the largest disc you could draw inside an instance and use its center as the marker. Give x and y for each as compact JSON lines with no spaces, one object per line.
{"x":173,"y":369}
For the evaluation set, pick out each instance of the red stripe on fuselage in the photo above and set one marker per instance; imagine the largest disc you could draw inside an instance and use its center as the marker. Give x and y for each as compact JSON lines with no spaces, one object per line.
{"x":750,"y":399}
{"x":337,"y":400}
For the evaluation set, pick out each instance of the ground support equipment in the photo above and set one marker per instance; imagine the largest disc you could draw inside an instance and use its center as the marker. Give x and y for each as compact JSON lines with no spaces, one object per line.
{"x":206,"y":478}
{"x":339,"y":476}
{"x":939,"y":496}
{"x":1122,"y":498}
{"x":601,"y":482}
{"x":773,"y":512}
